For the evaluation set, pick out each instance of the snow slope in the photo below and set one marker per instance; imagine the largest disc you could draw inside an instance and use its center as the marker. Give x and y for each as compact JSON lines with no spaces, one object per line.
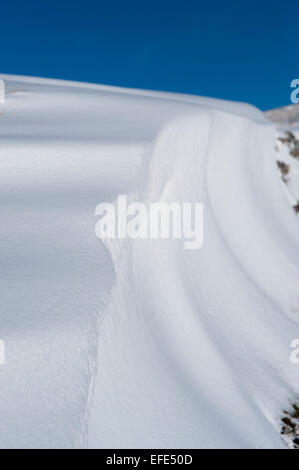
{"x":161,"y":347}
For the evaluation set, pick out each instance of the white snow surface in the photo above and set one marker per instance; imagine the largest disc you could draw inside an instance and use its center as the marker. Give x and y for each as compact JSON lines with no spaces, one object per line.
{"x":142,"y":343}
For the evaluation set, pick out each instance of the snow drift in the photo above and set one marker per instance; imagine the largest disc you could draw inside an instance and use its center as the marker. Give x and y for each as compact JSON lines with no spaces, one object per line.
{"x":190,"y":348}
{"x":194,"y":347}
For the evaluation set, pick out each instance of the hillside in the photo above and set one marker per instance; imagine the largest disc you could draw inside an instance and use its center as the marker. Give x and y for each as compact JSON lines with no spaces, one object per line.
{"x":142,"y":343}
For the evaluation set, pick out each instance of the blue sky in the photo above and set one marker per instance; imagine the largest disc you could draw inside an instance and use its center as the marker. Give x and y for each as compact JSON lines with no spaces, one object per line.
{"x":237,"y":50}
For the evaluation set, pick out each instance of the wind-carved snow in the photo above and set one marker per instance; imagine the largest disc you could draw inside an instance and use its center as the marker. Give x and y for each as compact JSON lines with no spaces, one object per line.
{"x":194,"y":347}
{"x":147,"y":344}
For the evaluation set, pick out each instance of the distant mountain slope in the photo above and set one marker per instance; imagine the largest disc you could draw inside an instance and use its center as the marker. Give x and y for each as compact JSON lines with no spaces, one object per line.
{"x":285,"y":115}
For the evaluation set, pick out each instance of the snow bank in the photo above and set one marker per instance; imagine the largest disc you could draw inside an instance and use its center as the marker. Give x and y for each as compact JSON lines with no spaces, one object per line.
{"x":194,"y":347}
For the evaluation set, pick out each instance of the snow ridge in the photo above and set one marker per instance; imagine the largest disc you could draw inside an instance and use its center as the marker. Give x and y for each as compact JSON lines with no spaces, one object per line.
{"x":194,"y":347}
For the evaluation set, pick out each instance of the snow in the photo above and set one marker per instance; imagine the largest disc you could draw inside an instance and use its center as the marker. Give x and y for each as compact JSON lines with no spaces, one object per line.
{"x":141,"y":343}
{"x":290,"y":182}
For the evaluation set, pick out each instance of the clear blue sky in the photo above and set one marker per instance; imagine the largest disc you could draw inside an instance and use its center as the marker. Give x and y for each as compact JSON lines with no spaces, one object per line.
{"x":234,"y":49}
